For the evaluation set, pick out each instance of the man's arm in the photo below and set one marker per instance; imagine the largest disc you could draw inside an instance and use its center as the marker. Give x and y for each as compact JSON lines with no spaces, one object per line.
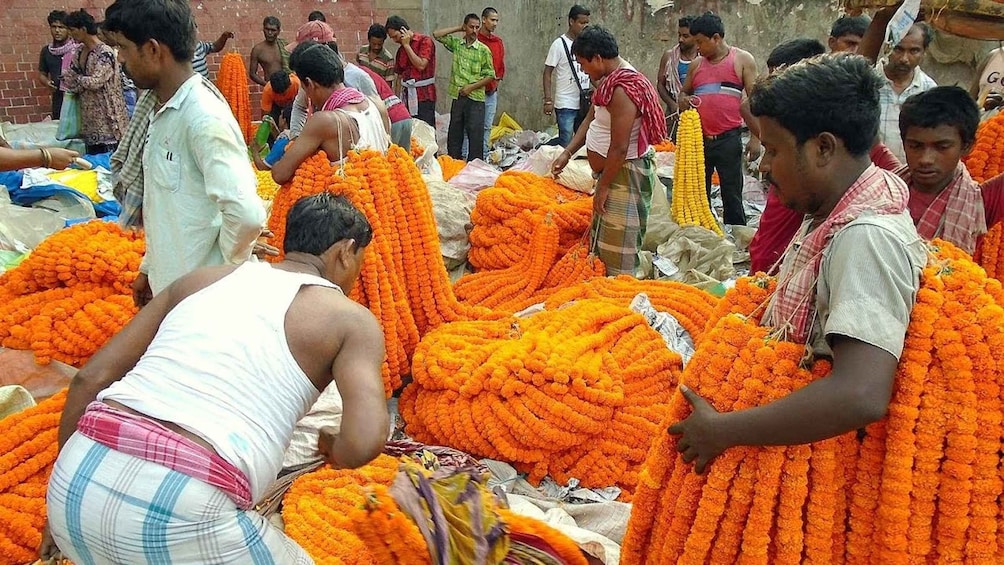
{"x":683,"y":100}
{"x":310,"y":139}
{"x":660,"y":82}
{"x":418,"y":61}
{"x":548,"y":94}
{"x":44,"y":77}
{"x":622,"y":115}
{"x":356,"y":373}
{"x":221,"y":42}
{"x":871,"y":42}
{"x":442,"y":32}
{"x":231,"y":184}
{"x":298,"y":116}
{"x":749,"y":81}
{"x":253,"y":65}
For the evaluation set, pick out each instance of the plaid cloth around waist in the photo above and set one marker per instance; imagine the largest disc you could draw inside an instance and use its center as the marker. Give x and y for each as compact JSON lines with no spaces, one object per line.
{"x":145,"y":439}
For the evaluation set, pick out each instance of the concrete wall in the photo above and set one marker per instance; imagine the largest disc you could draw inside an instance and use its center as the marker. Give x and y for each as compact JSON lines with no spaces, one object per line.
{"x":25,"y":32}
{"x":529,"y":26}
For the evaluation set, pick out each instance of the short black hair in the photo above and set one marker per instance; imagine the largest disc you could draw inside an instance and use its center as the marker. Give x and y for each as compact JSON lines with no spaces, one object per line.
{"x":376,"y":30}
{"x":82,"y":20}
{"x":708,"y":24}
{"x":686,"y":21}
{"x":850,"y":25}
{"x":317,"y":222}
{"x":927,"y":31}
{"x":836,"y":93}
{"x":317,"y":62}
{"x":56,"y":16}
{"x":333,"y":45}
{"x":793,"y":51}
{"x":470,"y":17}
{"x":280,"y":81}
{"x":941,"y":106}
{"x":271,"y":20}
{"x":316,"y":16}
{"x":595,"y":40}
{"x":578,"y":10}
{"x":488,"y":11}
{"x":396,"y":23}
{"x":168,"y":22}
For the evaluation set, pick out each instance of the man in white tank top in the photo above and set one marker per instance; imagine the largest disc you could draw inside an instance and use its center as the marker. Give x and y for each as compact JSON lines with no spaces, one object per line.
{"x":345,"y":119}
{"x":178,"y":425}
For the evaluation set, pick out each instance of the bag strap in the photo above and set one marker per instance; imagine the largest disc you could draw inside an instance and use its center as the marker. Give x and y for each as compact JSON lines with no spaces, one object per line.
{"x":571,"y":66}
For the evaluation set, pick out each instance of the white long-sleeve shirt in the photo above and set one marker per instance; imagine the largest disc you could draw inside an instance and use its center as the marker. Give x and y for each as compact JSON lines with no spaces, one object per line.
{"x":200,"y":204}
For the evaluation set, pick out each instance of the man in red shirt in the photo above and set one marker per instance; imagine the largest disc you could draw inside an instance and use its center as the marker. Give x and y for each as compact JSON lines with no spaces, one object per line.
{"x":415,"y":63}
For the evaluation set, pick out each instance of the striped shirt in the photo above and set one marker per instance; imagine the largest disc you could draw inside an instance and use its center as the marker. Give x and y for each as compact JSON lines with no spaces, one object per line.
{"x":890,"y":102}
{"x":199,"y":64}
{"x":471,"y":63}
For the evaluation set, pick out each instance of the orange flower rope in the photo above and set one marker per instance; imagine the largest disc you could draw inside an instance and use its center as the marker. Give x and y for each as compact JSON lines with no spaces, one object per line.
{"x":986,"y":160}
{"x":232,"y":80}
{"x":988,"y":253}
{"x":28,"y":445}
{"x":449,"y":165}
{"x":566,"y":549}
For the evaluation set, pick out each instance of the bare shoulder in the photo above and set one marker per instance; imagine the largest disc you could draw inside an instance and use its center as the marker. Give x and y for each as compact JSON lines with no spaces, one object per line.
{"x":197,"y":280}
{"x":745,"y":56}
{"x":325,"y":307}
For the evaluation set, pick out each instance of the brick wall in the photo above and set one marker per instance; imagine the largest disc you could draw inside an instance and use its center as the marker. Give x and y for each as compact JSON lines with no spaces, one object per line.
{"x":26,"y":31}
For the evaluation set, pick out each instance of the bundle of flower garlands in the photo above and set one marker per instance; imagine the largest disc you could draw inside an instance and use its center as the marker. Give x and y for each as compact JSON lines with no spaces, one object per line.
{"x":267,"y":187}
{"x":665,"y":146}
{"x":986,"y":160}
{"x":989,"y":252}
{"x":450,"y":166}
{"x":506,"y":214}
{"x":923,"y":486}
{"x":72,"y":293}
{"x":27,"y":452}
{"x":348,"y":517}
{"x":232,"y":80}
{"x":403,"y":281}
{"x":690,"y":205}
{"x":577,"y":392}
{"x":539,"y":273}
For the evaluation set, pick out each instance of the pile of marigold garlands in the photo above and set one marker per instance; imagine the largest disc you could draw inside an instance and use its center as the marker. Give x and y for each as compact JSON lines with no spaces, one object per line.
{"x":986,"y":160}
{"x":72,"y":293}
{"x":232,"y":80}
{"x":923,"y":485}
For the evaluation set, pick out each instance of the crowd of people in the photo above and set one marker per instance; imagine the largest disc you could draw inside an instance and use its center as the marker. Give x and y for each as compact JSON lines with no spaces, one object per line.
{"x":862,"y":161}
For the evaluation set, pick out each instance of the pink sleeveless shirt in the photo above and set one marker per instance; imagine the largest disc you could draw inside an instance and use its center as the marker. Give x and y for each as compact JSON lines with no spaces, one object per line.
{"x":720,"y":91}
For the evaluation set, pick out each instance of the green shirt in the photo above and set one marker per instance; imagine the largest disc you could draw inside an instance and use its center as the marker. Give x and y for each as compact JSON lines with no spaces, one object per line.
{"x":471,"y":63}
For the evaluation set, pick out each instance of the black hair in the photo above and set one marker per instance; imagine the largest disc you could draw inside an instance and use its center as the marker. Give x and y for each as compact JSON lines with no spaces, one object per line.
{"x":470,"y":17}
{"x":593,"y":41}
{"x":488,"y":11}
{"x":927,"y":31}
{"x":578,"y":10}
{"x":686,"y":21}
{"x":837,"y":93}
{"x":317,"y":62}
{"x":333,"y":45}
{"x":850,"y":25}
{"x":168,"y":22}
{"x":316,"y":16}
{"x":793,"y":51}
{"x":280,"y":81}
{"x":376,"y":30}
{"x":82,"y":20}
{"x":708,"y":24}
{"x":396,"y":23}
{"x":317,"y":222}
{"x":941,"y":106}
{"x":56,"y":16}
{"x":271,"y":21}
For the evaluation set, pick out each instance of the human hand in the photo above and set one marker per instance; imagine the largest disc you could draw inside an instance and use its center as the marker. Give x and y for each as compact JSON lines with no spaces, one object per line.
{"x":699,"y":441}
{"x":141,"y":292}
{"x":754,"y":150}
{"x":326,"y":438}
{"x":683,"y":101}
{"x":406,"y":35}
{"x":228,"y":34}
{"x":262,"y":249}
{"x":60,"y":158}
{"x":559,"y":163}
{"x":465,"y":91}
{"x":600,"y":200}
{"x":548,"y":107}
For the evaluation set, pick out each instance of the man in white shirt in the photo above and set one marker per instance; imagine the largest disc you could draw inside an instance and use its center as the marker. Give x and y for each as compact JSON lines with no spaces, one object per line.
{"x":563,"y":100}
{"x":901,"y":73}
{"x":200,"y":205}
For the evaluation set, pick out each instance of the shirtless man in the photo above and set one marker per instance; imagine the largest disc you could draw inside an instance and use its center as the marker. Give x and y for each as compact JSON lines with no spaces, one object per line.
{"x":270,"y":54}
{"x":344,"y":117}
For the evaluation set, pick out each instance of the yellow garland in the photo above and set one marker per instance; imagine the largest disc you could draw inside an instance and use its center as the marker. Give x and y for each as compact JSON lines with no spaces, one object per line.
{"x":690,"y":205}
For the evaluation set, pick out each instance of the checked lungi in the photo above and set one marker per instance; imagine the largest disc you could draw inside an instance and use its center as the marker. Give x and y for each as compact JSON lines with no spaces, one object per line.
{"x":618,"y":233}
{"x":105,"y":506}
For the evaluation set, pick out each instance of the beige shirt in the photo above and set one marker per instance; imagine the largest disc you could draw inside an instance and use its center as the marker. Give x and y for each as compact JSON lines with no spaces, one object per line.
{"x":992,"y":79}
{"x":868,"y":282}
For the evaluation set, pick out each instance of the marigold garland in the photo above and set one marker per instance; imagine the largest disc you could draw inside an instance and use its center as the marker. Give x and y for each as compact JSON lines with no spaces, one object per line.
{"x":575,"y":392}
{"x":690,"y":206}
{"x":72,"y":293}
{"x":267,"y":186}
{"x":922,"y":486}
{"x":28,"y":447}
{"x":417,"y":149}
{"x":988,"y":254}
{"x":505,"y":216}
{"x":665,"y":145}
{"x":450,"y":166}
{"x":561,"y":544}
{"x":986,"y":160}
{"x":232,"y":80}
